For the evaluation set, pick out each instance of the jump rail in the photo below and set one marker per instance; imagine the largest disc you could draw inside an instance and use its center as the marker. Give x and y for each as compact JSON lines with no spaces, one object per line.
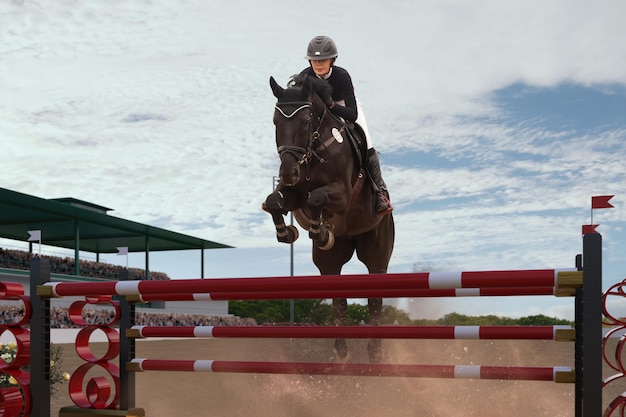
{"x":552,"y":373}
{"x":559,"y":278}
{"x":585,"y":283}
{"x":556,"y":333}
{"x":385,"y":293}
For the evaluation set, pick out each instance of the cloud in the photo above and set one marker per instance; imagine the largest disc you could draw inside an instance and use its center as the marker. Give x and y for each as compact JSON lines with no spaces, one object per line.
{"x":163,"y":112}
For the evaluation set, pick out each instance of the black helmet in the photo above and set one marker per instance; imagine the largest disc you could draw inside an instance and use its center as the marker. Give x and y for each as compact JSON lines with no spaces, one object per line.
{"x":321,"y":47}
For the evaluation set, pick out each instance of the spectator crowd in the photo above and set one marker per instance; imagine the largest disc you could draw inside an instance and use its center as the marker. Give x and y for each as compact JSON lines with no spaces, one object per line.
{"x":60,"y":319}
{"x":17,"y":259}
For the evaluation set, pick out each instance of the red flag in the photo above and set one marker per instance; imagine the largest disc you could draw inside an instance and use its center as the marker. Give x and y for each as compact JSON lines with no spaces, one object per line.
{"x":589,"y":229}
{"x":601,"y":201}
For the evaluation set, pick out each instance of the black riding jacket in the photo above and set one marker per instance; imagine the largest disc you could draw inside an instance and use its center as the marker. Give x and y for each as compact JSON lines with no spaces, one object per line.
{"x":343,"y":91}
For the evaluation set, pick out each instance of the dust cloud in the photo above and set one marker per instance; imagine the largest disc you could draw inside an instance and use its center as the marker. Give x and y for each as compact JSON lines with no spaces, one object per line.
{"x":165,"y":394}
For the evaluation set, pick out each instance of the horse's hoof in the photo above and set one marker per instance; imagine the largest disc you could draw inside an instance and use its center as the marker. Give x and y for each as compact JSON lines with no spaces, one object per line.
{"x":330,"y":242}
{"x":289,"y":235}
{"x":347,"y":358}
{"x":376,"y":357}
{"x":274,"y":202}
{"x":375,"y":351}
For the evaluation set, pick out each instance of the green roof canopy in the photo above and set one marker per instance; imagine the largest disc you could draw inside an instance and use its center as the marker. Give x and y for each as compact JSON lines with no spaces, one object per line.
{"x":79,"y":225}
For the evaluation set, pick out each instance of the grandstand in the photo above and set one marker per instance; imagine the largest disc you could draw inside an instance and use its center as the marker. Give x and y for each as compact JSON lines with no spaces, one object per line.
{"x":81,"y":226}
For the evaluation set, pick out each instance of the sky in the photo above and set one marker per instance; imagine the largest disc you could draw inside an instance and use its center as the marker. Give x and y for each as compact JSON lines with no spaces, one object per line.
{"x":495,"y":122}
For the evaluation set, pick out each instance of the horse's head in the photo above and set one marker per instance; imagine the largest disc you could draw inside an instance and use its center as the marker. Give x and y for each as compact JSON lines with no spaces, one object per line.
{"x":297,"y":117}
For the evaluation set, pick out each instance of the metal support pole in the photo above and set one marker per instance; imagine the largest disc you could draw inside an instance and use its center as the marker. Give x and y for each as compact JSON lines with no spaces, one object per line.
{"x":147,"y":274}
{"x":275,"y":182}
{"x":592,"y":326}
{"x":202,"y":262}
{"x":291,"y":302}
{"x":40,"y":340}
{"x":127,"y":350}
{"x":76,"y":248}
{"x":578,"y":344}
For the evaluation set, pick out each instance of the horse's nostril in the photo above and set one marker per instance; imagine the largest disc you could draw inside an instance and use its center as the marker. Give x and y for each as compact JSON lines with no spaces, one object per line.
{"x":289,"y":175}
{"x":289,"y":181}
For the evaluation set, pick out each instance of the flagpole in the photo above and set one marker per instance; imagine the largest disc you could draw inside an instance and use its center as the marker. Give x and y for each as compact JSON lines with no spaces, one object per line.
{"x":600,"y":202}
{"x":35,"y":236}
{"x":123,"y":250}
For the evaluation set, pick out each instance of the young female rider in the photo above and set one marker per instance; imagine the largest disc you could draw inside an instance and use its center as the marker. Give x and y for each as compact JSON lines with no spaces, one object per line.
{"x":321,"y":54}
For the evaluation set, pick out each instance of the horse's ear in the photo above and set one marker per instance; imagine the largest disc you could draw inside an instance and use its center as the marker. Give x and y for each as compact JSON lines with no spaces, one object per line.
{"x":306,"y":87}
{"x":276,"y":89}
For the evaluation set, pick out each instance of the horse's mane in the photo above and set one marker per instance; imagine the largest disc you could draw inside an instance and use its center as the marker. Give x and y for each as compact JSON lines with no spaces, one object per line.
{"x":321,"y":87}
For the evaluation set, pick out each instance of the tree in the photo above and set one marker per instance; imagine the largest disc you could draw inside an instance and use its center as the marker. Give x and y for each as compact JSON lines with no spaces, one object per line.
{"x":263,"y":311}
{"x":541,"y":320}
{"x":278,"y":311}
{"x":320,"y":312}
{"x":393,"y":315}
{"x":356,"y":314}
{"x":313,"y":312}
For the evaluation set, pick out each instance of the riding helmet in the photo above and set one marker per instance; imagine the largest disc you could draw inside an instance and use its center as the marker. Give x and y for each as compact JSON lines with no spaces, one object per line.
{"x":321,"y":47}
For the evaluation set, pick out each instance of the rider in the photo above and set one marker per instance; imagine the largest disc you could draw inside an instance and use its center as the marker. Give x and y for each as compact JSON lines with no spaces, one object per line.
{"x":322,"y":53}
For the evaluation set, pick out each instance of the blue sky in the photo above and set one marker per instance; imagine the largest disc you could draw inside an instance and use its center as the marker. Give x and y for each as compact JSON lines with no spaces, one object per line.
{"x":495,"y":123}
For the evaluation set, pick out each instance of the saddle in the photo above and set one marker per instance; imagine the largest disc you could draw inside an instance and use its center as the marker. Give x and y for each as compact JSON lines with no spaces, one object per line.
{"x":358,"y":143}
{"x":356,"y":135}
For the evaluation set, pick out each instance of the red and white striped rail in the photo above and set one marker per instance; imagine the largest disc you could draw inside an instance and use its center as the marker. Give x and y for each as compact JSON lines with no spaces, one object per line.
{"x":295,"y":295}
{"x":408,"y":281}
{"x":553,"y":373}
{"x":560,"y":333}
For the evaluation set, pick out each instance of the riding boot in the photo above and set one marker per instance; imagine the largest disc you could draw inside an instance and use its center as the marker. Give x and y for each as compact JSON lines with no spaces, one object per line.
{"x":382,"y":202}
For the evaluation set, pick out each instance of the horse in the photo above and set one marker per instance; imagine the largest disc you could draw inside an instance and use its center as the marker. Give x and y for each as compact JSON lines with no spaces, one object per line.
{"x":321,"y":182}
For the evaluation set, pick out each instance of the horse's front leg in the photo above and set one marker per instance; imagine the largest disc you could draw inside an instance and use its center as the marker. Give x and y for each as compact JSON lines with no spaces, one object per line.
{"x":374,"y":346}
{"x":318,"y":199}
{"x":331,"y":198}
{"x":340,"y":348}
{"x":275,"y":204}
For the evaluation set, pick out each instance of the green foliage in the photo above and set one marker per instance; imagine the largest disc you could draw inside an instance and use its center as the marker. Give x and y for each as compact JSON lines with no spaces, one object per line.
{"x":541,"y":320}
{"x":8,"y":352}
{"x":393,"y":315}
{"x":57,"y":376}
{"x":321,"y":312}
{"x":356,"y":314}
{"x":313,"y":312}
{"x":278,"y":311}
{"x":455,"y":319}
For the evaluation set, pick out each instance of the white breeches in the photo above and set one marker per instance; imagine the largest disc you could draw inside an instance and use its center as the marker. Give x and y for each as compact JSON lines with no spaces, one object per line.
{"x":360,"y":120}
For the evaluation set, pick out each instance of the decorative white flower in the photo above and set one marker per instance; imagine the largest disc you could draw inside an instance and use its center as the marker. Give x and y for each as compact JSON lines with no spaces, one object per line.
{"x":8,"y":353}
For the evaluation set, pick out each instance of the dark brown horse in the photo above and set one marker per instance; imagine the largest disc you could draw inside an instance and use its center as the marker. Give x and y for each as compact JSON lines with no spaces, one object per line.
{"x":323,"y":184}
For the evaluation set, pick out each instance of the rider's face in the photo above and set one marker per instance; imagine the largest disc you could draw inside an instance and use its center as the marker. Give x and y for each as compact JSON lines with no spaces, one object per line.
{"x":321,"y":66}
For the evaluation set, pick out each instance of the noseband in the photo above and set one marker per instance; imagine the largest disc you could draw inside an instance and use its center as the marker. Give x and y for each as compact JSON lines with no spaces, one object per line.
{"x":302,"y":155}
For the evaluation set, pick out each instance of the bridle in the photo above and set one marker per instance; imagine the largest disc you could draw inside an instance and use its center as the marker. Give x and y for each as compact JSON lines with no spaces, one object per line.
{"x":303,"y":155}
